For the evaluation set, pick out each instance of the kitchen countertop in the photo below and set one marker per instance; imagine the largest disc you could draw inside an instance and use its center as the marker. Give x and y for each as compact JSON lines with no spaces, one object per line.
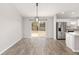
{"x":73,"y":33}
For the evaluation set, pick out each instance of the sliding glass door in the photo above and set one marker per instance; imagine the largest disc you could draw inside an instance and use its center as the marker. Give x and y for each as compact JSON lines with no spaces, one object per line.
{"x":38,"y":29}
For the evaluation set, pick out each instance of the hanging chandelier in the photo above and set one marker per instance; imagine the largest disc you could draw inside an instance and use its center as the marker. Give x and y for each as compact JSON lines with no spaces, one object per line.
{"x":37,"y":18}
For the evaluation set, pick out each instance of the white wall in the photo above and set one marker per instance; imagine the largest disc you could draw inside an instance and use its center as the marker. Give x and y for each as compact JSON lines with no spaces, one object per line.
{"x":50,"y":27}
{"x":54,"y":26}
{"x":10,"y":26}
{"x":27,"y":28}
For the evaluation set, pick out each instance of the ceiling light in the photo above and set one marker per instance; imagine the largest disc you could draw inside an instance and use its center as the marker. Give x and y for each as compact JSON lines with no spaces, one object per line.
{"x":62,"y":12}
{"x":73,"y":23}
{"x":37,"y":18}
{"x":73,"y":12}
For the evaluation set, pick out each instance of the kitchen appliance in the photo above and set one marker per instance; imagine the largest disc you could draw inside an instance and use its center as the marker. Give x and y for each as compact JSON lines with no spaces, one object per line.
{"x":60,"y":30}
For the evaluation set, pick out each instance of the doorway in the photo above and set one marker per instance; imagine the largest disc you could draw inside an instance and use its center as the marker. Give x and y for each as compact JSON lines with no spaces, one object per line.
{"x":38,"y":29}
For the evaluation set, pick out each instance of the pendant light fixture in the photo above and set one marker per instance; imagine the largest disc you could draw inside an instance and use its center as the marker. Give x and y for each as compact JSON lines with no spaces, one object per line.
{"x":37,"y":18}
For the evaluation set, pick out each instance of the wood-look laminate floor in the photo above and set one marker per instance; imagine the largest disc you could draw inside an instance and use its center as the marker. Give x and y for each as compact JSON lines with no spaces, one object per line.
{"x":39,"y":46}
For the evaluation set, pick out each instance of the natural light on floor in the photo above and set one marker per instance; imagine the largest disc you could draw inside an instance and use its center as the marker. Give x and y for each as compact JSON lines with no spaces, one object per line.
{"x":38,"y":34}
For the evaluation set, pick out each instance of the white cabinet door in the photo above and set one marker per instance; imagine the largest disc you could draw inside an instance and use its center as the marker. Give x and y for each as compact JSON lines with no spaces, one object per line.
{"x":67,"y":40}
{"x":70,"y":40}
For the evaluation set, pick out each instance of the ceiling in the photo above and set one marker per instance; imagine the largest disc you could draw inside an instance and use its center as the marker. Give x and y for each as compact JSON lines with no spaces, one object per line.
{"x":48,"y":9}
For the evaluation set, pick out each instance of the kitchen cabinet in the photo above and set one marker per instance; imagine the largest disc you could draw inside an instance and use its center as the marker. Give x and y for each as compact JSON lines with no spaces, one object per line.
{"x":72,"y":41}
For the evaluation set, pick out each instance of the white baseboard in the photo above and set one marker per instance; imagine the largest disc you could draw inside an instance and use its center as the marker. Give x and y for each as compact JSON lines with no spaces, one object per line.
{"x":75,"y":50}
{"x":10,"y":46}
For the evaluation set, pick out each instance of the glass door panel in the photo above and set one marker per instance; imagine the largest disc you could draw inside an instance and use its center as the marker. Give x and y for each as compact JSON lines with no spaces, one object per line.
{"x":38,"y":29}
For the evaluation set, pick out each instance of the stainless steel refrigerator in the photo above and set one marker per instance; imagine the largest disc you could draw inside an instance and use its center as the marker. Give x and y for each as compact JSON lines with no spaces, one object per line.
{"x":60,"y":30}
